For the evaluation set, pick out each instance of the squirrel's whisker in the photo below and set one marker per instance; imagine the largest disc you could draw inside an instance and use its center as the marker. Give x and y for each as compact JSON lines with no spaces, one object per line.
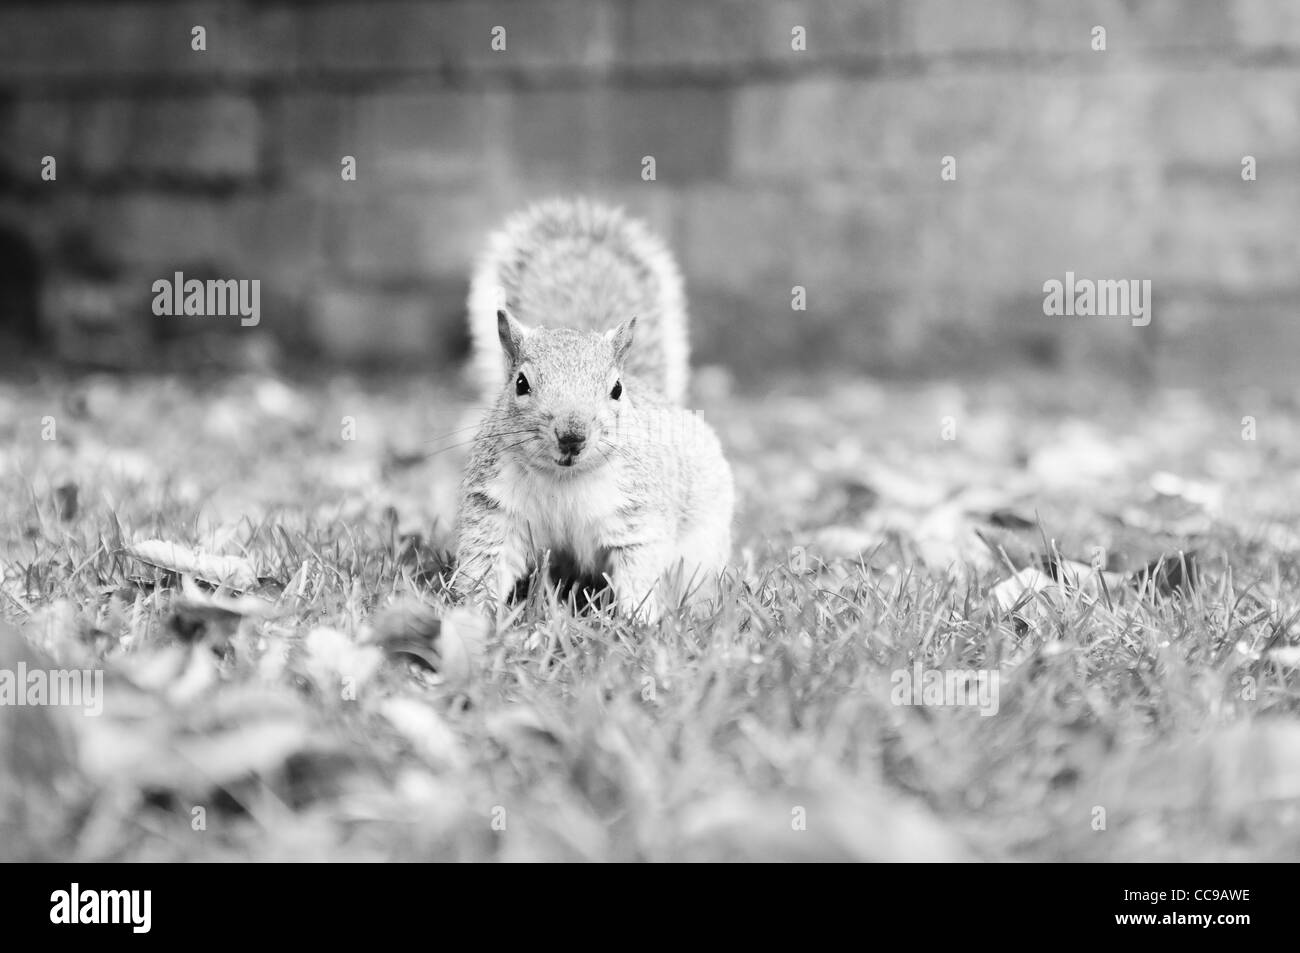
{"x":458,"y":430}
{"x":518,"y":443}
{"x":476,"y":439}
{"x":611,"y":447}
{"x":495,"y":433}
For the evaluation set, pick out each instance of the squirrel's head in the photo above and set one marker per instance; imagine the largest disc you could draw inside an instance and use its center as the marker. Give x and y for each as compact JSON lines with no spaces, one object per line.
{"x":564,"y":392}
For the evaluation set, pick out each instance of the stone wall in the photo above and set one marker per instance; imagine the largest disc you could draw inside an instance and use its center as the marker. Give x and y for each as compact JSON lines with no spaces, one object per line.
{"x":775,"y":167}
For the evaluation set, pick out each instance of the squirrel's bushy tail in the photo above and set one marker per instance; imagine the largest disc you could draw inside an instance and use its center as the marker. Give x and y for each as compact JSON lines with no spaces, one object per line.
{"x":580,"y":264}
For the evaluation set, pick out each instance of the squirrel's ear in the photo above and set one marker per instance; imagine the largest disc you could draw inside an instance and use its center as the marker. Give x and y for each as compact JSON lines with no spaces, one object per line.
{"x":512,"y":335}
{"x":621,"y":338}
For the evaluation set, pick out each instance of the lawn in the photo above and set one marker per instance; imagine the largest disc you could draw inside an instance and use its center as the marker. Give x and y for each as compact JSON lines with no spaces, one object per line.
{"x":312,"y":696}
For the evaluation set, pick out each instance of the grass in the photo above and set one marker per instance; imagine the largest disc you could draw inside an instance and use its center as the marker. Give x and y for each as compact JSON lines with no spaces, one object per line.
{"x":337,"y":709}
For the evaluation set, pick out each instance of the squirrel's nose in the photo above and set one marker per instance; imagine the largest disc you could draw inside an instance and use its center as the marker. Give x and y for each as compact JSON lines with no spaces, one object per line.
{"x":570,"y":442}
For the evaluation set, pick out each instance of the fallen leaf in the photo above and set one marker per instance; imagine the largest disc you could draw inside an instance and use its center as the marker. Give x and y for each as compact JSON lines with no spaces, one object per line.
{"x":65,"y":501}
{"x":1168,"y":574}
{"x":426,"y":730}
{"x":336,"y":663}
{"x":451,"y":645}
{"x":233,"y":571}
{"x":461,"y":644}
{"x":1288,"y":655}
{"x":38,"y":758}
{"x":1011,"y":594}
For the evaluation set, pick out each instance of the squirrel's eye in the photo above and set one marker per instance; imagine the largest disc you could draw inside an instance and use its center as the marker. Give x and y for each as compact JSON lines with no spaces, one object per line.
{"x":521,"y":385}
{"x":617,"y":392}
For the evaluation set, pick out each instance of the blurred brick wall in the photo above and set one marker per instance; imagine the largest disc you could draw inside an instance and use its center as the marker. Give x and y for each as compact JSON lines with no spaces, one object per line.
{"x":775,"y":168}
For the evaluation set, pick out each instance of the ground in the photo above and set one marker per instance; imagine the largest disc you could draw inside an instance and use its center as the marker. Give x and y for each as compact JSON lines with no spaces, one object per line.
{"x":325,"y":703}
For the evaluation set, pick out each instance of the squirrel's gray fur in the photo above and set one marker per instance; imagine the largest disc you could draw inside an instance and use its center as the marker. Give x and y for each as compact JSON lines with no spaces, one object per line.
{"x":586,"y":453}
{"x":579,"y":264}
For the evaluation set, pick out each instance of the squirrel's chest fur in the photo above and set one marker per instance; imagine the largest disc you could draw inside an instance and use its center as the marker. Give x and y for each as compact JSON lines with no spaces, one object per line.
{"x":579,"y":515}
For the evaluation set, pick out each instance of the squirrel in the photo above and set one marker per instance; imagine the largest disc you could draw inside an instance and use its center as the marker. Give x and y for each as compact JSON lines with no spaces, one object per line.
{"x":586,"y":452}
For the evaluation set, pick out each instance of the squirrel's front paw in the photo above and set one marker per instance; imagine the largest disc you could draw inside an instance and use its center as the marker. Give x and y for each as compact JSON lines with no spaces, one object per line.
{"x":640,"y":606}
